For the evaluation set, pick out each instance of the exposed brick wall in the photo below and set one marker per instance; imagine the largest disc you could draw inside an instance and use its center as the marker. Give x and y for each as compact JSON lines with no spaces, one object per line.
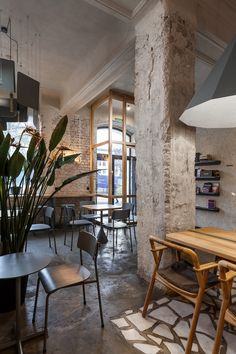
{"x":77,"y":137}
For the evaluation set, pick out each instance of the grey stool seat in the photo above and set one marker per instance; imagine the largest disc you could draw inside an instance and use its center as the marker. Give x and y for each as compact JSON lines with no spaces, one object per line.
{"x":39,"y":227}
{"x":67,"y":275}
{"x":79,"y":222}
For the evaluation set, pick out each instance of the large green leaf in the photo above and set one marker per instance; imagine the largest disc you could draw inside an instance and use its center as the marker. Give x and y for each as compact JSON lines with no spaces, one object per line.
{"x":64,"y":160}
{"x":1,"y":134}
{"x":4,"y":150}
{"x":31,"y":148}
{"x":15,"y":164}
{"x":58,"y":133}
{"x":51,"y":179}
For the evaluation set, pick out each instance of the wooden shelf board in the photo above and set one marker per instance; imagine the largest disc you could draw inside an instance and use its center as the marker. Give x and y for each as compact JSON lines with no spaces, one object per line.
{"x":207,"y":209}
{"x":205,"y":178}
{"x":209,"y":193}
{"x":207,"y":162}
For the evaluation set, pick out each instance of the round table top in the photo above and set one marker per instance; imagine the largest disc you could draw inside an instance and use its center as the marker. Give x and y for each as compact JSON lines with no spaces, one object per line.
{"x":15,"y":265}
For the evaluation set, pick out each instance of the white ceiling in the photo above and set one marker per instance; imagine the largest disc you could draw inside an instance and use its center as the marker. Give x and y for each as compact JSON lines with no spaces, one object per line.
{"x":87,"y":46}
{"x":77,"y":38}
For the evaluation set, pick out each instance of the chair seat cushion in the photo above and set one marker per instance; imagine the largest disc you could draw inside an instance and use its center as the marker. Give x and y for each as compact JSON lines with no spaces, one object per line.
{"x":182,"y":275}
{"x":80,"y":223}
{"x":40,"y":227}
{"x":62,"y":276}
{"x":90,"y":216}
{"x":232,"y":308}
{"x":117,"y":225}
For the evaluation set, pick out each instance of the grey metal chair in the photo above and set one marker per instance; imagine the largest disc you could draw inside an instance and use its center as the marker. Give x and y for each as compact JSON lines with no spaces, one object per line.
{"x":63,"y":215}
{"x":132,"y":221}
{"x":119,"y":220}
{"x":84,"y":214}
{"x":68,"y":275}
{"x":75,"y":224}
{"x":48,"y":225}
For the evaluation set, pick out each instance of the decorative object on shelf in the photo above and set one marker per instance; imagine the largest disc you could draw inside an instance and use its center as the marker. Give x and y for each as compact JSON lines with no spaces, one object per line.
{"x":216,"y":187}
{"x":211,"y":203}
{"x":214,"y":104}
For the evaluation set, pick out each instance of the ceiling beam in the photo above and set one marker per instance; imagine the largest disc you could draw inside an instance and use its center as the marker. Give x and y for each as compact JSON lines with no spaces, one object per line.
{"x":113,"y":8}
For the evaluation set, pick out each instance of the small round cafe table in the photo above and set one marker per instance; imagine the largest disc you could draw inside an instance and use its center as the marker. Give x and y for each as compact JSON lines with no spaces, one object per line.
{"x":17,"y":265}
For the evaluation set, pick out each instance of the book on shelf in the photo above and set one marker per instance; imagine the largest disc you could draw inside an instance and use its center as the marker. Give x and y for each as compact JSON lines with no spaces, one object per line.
{"x":215,"y":187}
{"x":207,"y":187}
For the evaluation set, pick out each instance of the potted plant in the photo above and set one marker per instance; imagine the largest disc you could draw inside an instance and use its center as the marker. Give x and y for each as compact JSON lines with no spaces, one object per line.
{"x":24,"y":180}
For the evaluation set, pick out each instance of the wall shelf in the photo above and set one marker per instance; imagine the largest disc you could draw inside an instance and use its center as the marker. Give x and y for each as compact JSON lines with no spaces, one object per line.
{"x":207,"y":162}
{"x":216,"y":210}
{"x":209,"y":193}
{"x":209,"y":178}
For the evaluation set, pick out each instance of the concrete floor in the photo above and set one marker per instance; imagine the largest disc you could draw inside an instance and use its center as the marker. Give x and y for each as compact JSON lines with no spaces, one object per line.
{"x":73,"y":327}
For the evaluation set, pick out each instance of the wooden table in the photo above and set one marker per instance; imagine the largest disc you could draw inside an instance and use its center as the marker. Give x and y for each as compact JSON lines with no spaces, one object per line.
{"x":219,"y":242}
{"x":17,"y":265}
{"x":102,"y":238}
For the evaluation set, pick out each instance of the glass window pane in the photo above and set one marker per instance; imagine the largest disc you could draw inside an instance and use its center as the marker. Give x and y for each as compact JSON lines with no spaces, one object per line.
{"x":130,"y":121}
{"x":117,"y":176}
{"x":117,"y":149}
{"x":101,"y":119}
{"x":117,"y":120}
{"x":131,"y":167}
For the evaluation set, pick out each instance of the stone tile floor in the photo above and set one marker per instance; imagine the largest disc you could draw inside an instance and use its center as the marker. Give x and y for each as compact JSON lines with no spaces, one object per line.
{"x":166,"y":327}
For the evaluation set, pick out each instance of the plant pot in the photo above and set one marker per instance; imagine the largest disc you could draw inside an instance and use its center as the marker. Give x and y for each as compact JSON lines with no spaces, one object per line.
{"x":8,"y":293}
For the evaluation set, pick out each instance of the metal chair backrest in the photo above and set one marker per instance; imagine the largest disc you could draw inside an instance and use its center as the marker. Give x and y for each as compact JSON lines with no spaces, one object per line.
{"x":85,"y":202}
{"x":88,"y":243}
{"x":129,"y":206}
{"x":70,"y":213}
{"x":120,"y":214}
{"x":49,"y":216}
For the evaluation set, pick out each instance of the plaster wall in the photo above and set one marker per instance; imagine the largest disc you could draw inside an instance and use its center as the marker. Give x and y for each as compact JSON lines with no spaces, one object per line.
{"x":164,"y":68}
{"x":77,"y":137}
{"x":221,"y":144}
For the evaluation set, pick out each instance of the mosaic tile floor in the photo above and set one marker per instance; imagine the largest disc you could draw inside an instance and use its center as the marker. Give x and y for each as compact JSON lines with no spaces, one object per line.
{"x":166,"y":327}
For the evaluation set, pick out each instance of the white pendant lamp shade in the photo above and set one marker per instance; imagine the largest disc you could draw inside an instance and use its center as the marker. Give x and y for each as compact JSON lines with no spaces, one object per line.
{"x":214,"y":104}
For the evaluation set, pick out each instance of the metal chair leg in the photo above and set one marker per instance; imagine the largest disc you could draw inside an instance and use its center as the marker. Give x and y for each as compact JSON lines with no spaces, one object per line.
{"x":130,"y":236}
{"x":49,"y":239}
{"x":45,"y":325}
{"x":36,"y":300}
{"x":113,"y":240}
{"x":84,"y":295}
{"x":72,"y":239}
{"x":99,"y":297}
{"x":54,"y":239}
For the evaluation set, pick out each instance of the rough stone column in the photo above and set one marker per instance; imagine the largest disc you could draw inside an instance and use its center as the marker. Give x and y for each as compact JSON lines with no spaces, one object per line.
{"x":164,"y":67}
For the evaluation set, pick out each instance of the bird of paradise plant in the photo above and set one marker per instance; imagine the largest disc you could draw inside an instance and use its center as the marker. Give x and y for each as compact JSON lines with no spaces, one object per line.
{"x":24,"y":180}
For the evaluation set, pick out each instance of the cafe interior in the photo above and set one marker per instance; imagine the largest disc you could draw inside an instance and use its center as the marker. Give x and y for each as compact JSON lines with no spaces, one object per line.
{"x":117,"y":176}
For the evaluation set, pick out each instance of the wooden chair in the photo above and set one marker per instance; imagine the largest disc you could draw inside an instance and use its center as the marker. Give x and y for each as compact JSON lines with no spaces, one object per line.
{"x":227,"y":273}
{"x":188,"y":279}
